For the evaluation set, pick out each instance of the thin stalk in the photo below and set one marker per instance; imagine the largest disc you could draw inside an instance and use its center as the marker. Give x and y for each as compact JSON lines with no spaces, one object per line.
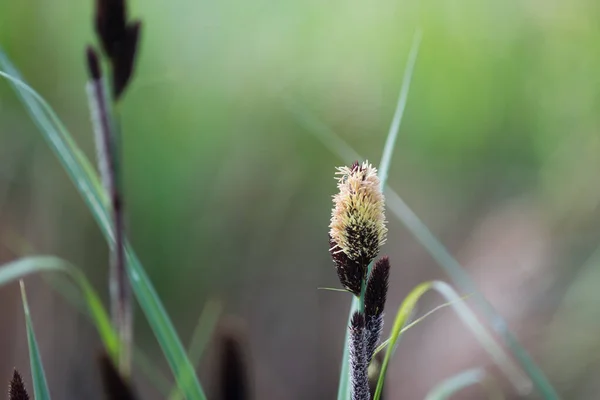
{"x":390,"y":142}
{"x":108,"y":156}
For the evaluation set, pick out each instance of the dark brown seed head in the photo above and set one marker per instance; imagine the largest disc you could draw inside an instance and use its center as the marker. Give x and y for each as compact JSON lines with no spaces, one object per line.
{"x":377,"y":287}
{"x":350,"y":272}
{"x":375,"y":295}
{"x":110,"y":22}
{"x":119,"y":40}
{"x":16,"y":389}
{"x":115,"y":386}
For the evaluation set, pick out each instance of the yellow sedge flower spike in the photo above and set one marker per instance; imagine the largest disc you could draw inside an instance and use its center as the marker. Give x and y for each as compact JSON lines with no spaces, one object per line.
{"x":357,"y":228}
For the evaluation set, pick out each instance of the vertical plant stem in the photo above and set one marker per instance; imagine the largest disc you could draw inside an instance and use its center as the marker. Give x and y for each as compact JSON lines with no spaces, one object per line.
{"x":108,"y":157}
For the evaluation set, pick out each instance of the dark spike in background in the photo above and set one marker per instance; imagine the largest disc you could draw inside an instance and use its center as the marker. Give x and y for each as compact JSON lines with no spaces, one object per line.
{"x":16,"y":389}
{"x":233,"y":373}
{"x":119,"y":40}
{"x":115,"y":386}
{"x":123,"y":62}
{"x":110,"y":23}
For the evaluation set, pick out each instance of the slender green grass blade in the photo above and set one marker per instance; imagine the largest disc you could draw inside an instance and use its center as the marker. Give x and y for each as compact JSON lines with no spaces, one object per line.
{"x":402,"y":316}
{"x":436,"y":249}
{"x":201,"y":336}
{"x":40,"y":386}
{"x":477,"y":376}
{"x":390,"y":142}
{"x":344,"y":385}
{"x":29,"y":265}
{"x":87,"y":183}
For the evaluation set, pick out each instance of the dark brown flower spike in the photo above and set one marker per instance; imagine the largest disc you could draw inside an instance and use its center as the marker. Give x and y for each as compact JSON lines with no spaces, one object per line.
{"x":351,"y":273}
{"x":233,"y":379}
{"x":16,"y":390}
{"x":359,"y":380}
{"x":115,"y":386}
{"x":375,"y":297}
{"x":118,"y":39}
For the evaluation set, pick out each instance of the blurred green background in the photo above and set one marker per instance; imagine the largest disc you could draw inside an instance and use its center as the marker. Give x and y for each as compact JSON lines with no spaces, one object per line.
{"x":228,"y":192}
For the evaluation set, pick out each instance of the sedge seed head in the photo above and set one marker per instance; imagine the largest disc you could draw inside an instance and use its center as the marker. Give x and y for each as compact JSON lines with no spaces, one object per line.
{"x":357,"y":225}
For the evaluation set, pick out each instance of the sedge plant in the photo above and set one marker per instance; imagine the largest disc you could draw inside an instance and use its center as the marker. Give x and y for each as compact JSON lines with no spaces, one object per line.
{"x":357,"y":232}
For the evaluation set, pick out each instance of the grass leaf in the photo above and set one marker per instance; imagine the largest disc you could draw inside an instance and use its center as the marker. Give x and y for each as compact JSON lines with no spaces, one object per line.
{"x":402,"y":316}
{"x":201,"y":336}
{"x":87,"y":183}
{"x":412,"y":324}
{"x":40,"y":386}
{"x":390,"y":142}
{"x":25,"y":266}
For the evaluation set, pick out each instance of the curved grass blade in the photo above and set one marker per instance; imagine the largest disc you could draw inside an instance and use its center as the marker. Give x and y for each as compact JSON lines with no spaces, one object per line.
{"x":445,"y":389}
{"x":29,"y":265}
{"x":520,"y":381}
{"x":40,"y":386}
{"x":413,"y":323}
{"x":402,"y":316}
{"x":87,"y":183}
{"x":344,"y":385}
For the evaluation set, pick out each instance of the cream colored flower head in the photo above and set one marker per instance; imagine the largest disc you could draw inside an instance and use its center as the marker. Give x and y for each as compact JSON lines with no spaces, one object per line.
{"x":357,"y":226}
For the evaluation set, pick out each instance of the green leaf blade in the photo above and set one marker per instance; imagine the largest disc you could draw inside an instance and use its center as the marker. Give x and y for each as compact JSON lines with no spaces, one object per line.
{"x":402,"y":316}
{"x":40,"y":385}
{"x":163,"y":329}
{"x":20,"y":268}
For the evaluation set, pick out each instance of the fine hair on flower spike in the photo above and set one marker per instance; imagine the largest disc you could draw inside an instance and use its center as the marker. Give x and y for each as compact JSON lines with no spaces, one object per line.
{"x":357,"y":229}
{"x":359,"y":377}
{"x":375,"y":296}
{"x":16,"y":389}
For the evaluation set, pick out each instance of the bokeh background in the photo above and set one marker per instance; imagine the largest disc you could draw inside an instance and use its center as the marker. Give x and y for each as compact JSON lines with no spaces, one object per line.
{"x":228,"y":189}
